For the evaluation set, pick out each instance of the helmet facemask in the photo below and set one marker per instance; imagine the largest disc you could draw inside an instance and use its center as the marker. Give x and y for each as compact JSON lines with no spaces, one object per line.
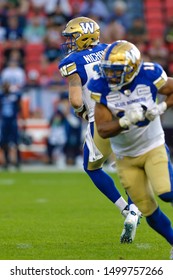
{"x":116,"y":74}
{"x":70,"y":44}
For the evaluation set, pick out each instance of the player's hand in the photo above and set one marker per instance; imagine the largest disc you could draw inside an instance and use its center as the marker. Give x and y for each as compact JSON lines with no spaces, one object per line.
{"x":134,"y":113}
{"x":124,"y":122}
{"x":82,"y":112}
{"x":155,"y":111}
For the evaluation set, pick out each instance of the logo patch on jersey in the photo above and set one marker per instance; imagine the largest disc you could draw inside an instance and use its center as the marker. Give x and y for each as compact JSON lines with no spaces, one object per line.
{"x":87,"y":27}
{"x":142,"y":90}
{"x":113,"y":96}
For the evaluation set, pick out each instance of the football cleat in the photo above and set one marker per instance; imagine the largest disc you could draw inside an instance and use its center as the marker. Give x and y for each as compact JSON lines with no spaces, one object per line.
{"x":129,"y":230}
{"x":139,"y":214}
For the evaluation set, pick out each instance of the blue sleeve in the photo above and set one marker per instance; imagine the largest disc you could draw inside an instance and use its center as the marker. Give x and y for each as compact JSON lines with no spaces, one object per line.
{"x":98,"y":85}
{"x":154,"y":72}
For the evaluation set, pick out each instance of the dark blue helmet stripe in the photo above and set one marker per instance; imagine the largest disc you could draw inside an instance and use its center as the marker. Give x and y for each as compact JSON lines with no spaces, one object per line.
{"x":110,"y":49}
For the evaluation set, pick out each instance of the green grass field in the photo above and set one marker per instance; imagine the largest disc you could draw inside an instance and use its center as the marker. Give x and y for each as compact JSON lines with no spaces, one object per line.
{"x":62,"y":216}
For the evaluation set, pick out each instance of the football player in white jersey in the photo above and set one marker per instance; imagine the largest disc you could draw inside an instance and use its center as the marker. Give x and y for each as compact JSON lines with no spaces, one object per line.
{"x":84,"y":52}
{"x":126,"y":111}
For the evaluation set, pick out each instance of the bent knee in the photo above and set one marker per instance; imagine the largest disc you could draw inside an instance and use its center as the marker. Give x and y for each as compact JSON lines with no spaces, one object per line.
{"x":147,"y":207}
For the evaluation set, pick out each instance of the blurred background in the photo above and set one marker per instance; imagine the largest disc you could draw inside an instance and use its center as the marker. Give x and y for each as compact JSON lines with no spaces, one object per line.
{"x":30,"y":42}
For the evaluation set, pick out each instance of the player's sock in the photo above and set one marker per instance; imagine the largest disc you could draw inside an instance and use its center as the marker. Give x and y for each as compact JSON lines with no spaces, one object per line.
{"x":106,"y":185}
{"x":121,"y":203}
{"x":129,"y":200}
{"x":167,"y":197}
{"x":160,"y":223}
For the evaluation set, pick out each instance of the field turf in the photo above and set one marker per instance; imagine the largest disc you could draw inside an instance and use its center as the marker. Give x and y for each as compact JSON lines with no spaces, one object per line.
{"x":62,"y":216}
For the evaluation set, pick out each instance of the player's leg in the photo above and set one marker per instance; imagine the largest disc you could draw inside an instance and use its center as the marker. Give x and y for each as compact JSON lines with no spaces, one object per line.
{"x":96,"y":152}
{"x":93,"y":162}
{"x":130,"y":175}
{"x":158,"y":162}
{"x":5,"y":142}
{"x":130,"y":171}
{"x":14,"y":135}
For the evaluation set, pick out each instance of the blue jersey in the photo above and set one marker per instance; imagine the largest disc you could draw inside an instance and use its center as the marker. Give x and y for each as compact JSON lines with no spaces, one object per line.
{"x":143,"y":90}
{"x":85,"y":64}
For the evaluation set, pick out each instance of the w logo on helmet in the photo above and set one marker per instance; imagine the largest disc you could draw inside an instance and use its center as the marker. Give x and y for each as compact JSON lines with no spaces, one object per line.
{"x":87,"y":27}
{"x":132,"y":55}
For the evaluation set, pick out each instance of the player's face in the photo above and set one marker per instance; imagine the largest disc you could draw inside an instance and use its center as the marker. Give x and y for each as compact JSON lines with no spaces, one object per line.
{"x":113,"y":76}
{"x":70,"y":43}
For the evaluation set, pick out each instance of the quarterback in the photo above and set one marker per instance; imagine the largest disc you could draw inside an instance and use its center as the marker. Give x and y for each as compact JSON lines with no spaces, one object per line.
{"x":83,"y":54}
{"x":127,"y":112}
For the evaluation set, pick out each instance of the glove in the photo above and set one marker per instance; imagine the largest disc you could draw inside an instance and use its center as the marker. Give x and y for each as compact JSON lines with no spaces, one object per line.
{"x":82,"y":112}
{"x":155,"y":111}
{"x":124,"y":122}
{"x":134,"y":113}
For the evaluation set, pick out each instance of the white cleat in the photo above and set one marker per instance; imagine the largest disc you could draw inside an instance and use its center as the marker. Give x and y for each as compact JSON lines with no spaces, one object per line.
{"x":129,"y":230}
{"x":171,"y":254}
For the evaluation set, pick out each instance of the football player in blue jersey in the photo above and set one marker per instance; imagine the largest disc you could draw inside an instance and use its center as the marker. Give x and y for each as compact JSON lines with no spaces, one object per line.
{"x":84,"y":52}
{"x":127,"y":112}
{"x":9,"y":109}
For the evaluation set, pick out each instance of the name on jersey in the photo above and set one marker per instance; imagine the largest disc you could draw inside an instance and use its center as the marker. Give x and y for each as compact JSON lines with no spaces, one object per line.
{"x":129,"y":102}
{"x":93,"y":56}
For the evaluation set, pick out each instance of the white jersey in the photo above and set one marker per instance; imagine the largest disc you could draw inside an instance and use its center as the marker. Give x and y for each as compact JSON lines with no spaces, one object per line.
{"x":85,"y":64}
{"x":145,"y":135}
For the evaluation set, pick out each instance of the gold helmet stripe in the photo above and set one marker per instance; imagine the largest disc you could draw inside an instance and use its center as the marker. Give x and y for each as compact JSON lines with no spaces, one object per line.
{"x":160,"y":82}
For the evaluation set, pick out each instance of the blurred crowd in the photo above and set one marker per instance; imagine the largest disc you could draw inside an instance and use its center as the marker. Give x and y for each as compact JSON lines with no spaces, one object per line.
{"x":30,"y":49}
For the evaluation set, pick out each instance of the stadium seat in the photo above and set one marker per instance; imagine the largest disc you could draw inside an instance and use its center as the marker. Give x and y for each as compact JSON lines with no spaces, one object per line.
{"x":168,"y":3}
{"x":155,"y":30}
{"x":154,"y":15}
{"x":169,"y":12}
{"x":34,"y":50}
{"x":153,"y":4}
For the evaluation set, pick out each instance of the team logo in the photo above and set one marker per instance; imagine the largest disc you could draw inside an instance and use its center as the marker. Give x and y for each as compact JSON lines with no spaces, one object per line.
{"x":87,"y":27}
{"x":131,"y":55}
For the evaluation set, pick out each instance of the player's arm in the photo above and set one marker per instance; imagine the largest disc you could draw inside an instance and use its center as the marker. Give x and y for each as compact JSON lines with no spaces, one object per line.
{"x":167,"y":90}
{"x":107,"y":125}
{"x":75,"y":95}
{"x":75,"y":91}
{"x":158,"y":109}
